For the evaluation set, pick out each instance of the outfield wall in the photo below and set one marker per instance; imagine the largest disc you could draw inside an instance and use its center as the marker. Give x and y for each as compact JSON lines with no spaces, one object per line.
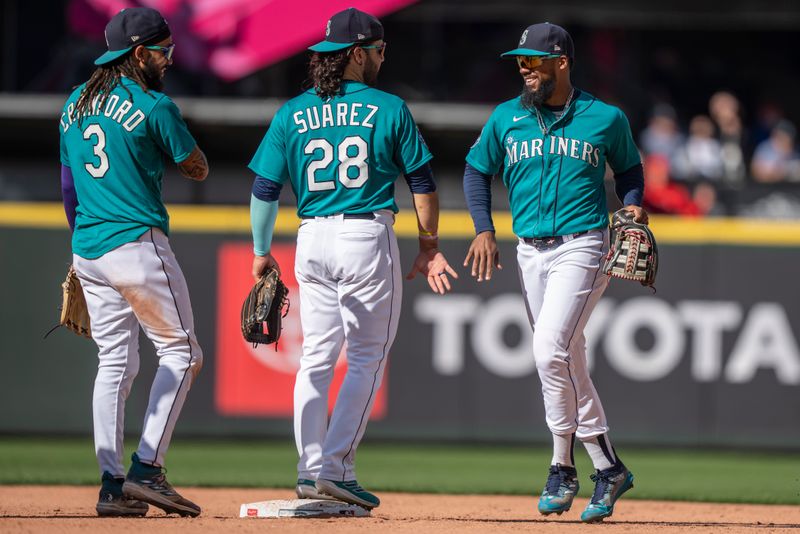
{"x":712,"y":358}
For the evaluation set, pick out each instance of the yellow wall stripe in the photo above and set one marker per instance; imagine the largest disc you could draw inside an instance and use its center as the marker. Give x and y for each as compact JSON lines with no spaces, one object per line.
{"x":452,"y":224}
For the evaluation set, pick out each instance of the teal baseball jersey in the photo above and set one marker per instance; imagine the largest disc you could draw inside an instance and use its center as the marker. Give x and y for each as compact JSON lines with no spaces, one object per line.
{"x":344,"y":154}
{"x":116,"y":154}
{"x":553,"y":167}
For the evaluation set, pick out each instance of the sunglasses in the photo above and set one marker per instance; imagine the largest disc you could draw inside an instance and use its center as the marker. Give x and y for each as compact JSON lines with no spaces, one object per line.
{"x":532,"y":62}
{"x":381,"y":48}
{"x":166,"y":50}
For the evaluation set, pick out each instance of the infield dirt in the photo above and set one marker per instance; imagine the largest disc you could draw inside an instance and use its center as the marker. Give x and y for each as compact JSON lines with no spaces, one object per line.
{"x":70,"y":509}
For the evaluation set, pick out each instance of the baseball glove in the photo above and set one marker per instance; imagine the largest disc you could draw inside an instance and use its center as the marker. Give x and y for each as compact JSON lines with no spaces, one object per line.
{"x":74,"y":313}
{"x":262,"y":311}
{"x":633,"y":254}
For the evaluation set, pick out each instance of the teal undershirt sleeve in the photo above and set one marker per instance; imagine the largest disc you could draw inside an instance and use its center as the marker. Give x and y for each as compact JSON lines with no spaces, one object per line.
{"x":262,"y":222}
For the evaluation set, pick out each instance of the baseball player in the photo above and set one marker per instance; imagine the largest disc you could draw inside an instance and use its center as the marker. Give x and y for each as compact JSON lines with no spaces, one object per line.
{"x":116,"y":130}
{"x":552,"y":144}
{"x":341,"y":145}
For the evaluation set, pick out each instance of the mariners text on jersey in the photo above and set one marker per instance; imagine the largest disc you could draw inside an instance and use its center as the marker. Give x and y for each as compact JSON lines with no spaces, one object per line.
{"x":114,"y":108}
{"x":560,"y":146}
{"x":330,"y":115}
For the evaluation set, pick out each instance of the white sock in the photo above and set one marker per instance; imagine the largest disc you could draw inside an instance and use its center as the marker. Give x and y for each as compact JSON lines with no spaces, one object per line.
{"x":601,"y":452}
{"x":563,"y":450}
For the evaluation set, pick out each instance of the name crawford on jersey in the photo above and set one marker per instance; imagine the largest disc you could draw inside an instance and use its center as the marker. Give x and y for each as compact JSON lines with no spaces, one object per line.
{"x":114,"y":109}
{"x":561,"y":146}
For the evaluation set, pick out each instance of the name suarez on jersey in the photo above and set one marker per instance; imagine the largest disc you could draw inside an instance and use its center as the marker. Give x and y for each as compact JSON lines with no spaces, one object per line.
{"x":339,"y":114}
{"x":113,"y":108}
{"x":560,"y":146}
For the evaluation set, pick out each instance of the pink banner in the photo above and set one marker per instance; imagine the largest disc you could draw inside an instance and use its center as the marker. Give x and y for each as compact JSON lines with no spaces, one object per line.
{"x":231,"y":38}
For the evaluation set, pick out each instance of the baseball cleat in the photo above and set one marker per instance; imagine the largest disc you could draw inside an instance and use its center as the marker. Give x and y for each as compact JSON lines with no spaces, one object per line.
{"x":559,"y":491}
{"x":149,"y":484}
{"x":112,"y":502}
{"x":348,"y":491}
{"x":306,"y":489}
{"x":610,"y":484}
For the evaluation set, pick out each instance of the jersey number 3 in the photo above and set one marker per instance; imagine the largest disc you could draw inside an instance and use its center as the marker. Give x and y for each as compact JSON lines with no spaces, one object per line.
{"x":346,"y":162}
{"x":97,"y":171}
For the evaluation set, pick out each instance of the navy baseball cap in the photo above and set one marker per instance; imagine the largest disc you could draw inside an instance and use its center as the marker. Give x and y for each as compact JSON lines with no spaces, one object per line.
{"x":131,"y":27}
{"x":544,"y":39}
{"x":347,"y":28}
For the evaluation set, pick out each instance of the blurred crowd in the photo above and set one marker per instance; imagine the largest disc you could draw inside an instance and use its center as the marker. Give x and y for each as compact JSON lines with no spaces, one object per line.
{"x":708,"y":168}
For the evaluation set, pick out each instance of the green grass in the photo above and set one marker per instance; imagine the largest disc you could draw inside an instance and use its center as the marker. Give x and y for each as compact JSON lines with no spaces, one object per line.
{"x":717,"y":476}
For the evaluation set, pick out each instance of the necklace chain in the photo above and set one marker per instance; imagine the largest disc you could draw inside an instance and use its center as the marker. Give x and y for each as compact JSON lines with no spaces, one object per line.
{"x":540,"y":119}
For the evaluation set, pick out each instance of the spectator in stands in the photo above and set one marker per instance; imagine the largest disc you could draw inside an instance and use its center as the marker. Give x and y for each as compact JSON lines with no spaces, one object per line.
{"x":700,"y":158}
{"x":768,"y":114}
{"x":661,"y":136}
{"x":707,"y":200}
{"x":662,"y":195}
{"x":777,"y":159}
{"x":724,"y":109}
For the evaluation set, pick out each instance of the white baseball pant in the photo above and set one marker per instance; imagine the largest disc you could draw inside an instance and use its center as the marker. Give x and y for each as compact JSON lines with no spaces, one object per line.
{"x":561,"y":287}
{"x":138,"y":283}
{"x":349,"y":275}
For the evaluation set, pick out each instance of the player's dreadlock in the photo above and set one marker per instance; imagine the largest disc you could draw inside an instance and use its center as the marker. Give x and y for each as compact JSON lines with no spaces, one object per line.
{"x":325,"y":72}
{"x":104,"y":79}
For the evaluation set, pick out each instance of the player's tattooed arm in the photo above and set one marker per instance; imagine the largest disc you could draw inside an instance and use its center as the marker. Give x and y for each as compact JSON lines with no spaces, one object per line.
{"x":195,"y":166}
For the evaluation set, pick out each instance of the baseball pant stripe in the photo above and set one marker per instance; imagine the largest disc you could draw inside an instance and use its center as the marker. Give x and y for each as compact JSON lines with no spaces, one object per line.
{"x":525,"y":297}
{"x":380,"y":364}
{"x":585,"y":302}
{"x":569,"y":344}
{"x":572,"y":448}
{"x":610,"y":456}
{"x":575,"y":391}
{"x":118,"y":363}
{"x":188,"y":342}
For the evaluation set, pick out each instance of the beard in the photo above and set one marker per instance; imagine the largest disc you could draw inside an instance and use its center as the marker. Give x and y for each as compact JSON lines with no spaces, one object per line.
{"x":531,"y":98}
{"x":151,"y":73}
{"x":371,"y":69}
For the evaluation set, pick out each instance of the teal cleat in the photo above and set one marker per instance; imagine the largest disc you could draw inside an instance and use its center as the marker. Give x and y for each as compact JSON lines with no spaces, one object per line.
{"x":560,"y":490}
{"x":349,"y":491}
{"x":610,"y":484}
{"x":307,"y":489}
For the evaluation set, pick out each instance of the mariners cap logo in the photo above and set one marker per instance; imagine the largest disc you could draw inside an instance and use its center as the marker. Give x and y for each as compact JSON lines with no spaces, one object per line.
{"x":523,"y":38}
{"x":328,"y":29}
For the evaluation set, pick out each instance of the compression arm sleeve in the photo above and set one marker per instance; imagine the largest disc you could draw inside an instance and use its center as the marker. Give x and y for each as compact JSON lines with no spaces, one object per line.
{"x":68,"y":195}
{"x":262,"y":222}
{"x":478,"y":192}
{"x":421,"y":180}
{"x":630,"y":185}
{"x":265,"y":189}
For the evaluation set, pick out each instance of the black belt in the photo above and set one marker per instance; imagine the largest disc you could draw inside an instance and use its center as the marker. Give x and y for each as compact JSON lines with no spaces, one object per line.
{"x":369,"y":216}
{"x":549,"y":242}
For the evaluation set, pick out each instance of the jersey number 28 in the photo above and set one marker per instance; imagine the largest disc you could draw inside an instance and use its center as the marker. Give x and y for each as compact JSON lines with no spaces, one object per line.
{"x":346,"y":161}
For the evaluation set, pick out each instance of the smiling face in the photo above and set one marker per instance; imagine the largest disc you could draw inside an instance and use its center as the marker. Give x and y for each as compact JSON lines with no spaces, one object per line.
{"x":540,"y":77}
